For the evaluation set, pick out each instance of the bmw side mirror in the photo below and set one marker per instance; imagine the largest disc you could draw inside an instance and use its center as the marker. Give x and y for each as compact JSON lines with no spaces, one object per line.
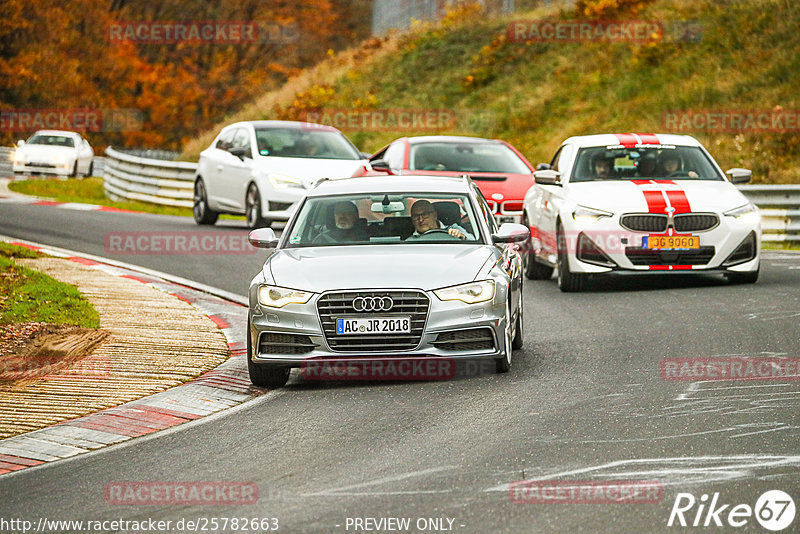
{"x":739,"y":176}
{"x":263,"y":238}
{"x":511,"y":233}
{"x":380,"y":165}
{"x":543,"y":167}
{"x":547,"y":177}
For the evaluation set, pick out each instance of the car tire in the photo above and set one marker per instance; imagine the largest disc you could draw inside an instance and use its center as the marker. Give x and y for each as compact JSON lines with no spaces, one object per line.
{"x":265,"y":376}
{"x":517,"y":342}
{"x":503,"y":363}
{"x":743,"y":278}
{"x":568,"y":281}
{"x":90,"y":172}
{"x":200,"y":210}
{"x":252,"y":208}
{"x":74,"y":173}
{"x":533,"y":269}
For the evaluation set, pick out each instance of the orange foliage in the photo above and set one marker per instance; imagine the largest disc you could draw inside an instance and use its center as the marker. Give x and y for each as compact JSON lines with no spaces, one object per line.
{"x":58,"y":55}
{"x":609,"y":8}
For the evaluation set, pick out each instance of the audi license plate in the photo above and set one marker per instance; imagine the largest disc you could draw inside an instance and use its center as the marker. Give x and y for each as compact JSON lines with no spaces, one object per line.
{"x":667,"y":242}
{"x":374,"y":325}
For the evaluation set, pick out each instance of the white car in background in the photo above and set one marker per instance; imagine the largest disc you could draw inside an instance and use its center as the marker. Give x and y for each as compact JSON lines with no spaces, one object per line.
{"x":261,"y":169}
{"x":54,"y":152}
{"x":637,"y":204}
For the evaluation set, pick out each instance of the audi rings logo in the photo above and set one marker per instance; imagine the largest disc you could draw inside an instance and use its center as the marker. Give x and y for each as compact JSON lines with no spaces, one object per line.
{"x":369,"y":304}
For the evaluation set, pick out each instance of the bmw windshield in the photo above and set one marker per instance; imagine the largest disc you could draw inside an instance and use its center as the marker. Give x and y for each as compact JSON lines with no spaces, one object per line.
{"x":643,"y":163}
{"x":379,"y":218}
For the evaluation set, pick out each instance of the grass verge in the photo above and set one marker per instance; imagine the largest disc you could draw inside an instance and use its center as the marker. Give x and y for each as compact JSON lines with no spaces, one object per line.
{"x":30,"y":296}
{"x":90,"y":191}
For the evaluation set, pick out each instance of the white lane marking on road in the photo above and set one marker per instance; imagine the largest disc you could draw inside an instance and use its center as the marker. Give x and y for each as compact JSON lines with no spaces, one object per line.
{"x":384,"y":480}
{"x":701,"y":469}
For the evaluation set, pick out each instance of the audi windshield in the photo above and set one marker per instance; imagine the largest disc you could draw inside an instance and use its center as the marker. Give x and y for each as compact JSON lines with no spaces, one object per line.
{"x":367,"y":219}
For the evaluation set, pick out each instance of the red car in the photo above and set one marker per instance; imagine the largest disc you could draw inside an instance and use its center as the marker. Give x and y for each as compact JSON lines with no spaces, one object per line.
{"x":502,"y":174}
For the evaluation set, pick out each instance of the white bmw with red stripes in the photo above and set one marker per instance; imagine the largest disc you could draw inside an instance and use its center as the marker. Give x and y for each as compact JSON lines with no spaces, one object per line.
{"x":638,"y":203}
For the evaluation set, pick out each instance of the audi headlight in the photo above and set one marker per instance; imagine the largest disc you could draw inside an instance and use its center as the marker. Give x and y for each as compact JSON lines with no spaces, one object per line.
{"x":278,"y":297}
{"x":745,"y":214}
{"x":589,"y":215}
{"x":471,"y":293}
{"x":281,"y":181}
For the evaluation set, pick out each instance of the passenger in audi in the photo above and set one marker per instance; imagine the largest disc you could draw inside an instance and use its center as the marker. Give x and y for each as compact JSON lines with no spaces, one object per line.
{"x":346,"y":228}
{"x":425,"y":219}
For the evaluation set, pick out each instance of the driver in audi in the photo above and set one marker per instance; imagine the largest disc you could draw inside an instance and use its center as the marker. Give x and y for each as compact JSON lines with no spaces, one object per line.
{"x":425,"y":219}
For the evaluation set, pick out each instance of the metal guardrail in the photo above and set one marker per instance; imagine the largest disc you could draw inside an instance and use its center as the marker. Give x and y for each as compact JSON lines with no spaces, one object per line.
{"x":780,"y":210}
{"x":155,"y":181}
{"x":170,"y":183}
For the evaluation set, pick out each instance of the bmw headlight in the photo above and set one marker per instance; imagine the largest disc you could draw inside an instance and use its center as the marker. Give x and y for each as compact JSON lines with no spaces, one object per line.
{"x":745,"y":214}
{"x":471,"y":293}
{"x":589,"y":215}
{"x":278,"y":297}
{"x":281,"y":181}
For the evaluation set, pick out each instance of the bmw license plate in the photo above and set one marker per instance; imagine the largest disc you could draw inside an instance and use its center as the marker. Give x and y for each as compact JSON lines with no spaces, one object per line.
{"x":671,"y":242}
{"x":374,"y":325}
{"x":506,"y":219}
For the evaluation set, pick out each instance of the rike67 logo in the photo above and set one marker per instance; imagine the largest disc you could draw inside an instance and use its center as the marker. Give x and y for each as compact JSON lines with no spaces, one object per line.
{"x":774,"y":510}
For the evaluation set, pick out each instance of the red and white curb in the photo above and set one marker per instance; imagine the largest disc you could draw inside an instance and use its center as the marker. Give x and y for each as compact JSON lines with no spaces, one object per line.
{"x":219,"y":389}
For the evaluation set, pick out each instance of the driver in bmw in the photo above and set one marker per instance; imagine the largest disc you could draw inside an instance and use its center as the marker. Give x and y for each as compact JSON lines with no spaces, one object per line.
{"x":425,"y":219}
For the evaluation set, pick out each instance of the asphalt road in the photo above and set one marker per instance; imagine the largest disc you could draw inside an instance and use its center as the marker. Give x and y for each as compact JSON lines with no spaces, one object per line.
{"x":584,"y":401}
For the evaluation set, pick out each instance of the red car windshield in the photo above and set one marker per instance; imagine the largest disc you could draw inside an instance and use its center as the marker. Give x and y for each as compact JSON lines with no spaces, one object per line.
{"x":465,"y":157}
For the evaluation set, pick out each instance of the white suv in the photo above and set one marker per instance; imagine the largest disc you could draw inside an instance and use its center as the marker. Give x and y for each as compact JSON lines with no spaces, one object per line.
{"x":261,"y":169}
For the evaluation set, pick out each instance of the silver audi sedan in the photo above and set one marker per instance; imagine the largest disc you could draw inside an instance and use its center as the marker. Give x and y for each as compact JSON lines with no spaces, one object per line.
{"x":381,"y":273}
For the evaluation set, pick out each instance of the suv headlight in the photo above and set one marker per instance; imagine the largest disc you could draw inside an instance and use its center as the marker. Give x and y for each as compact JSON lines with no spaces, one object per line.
{"x":589,"y":215}
{"x":471,"y":293}
{"x":745,"y":214}
{"x":278,"y":297}
{"x":281,"y":181}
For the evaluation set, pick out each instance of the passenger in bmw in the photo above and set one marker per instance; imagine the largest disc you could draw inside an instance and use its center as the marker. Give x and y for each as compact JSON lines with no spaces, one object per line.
{"x":345,"y":226}
{"x":425,"y":219}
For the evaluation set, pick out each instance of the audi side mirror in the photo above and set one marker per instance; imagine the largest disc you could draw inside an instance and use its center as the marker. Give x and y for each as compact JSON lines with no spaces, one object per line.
{"x":511,"y":233}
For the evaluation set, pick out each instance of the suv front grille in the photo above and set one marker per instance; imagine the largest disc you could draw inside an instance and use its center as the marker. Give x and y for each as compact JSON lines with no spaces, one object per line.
{"x":695,"y":222}
{"x":413,"y":304}
{"x":474,"y":339}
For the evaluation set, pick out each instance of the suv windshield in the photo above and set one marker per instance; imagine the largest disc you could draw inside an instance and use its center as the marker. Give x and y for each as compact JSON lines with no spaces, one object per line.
{"x":465,"y":157}
{"x":380,"y":218}
{"x":654,"y":162}
{"x":304,"y":143}
{"x":52,"y":140}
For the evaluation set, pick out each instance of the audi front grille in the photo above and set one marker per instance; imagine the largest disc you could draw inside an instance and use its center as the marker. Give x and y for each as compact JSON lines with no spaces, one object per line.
{"x":644,"y":222}
{"x":413,"y":304}
{"x":695,"y":222}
